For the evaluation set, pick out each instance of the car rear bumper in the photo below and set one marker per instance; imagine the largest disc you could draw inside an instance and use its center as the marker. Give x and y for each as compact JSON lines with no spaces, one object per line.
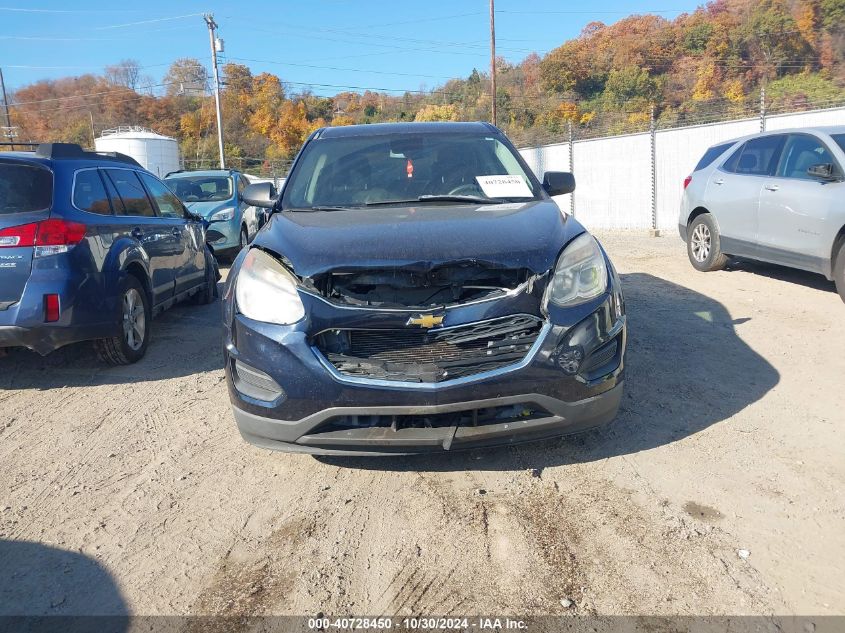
{"x":47,"y":338}
{"x":83,"y":298}
{"x":304,"y":436}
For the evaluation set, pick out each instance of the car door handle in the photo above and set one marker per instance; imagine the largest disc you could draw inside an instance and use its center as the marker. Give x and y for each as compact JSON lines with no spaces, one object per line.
{"x":175,"y":231}
{"x":137,"y":233}
{"x":720,"y":181}
{"x":771,"y":187}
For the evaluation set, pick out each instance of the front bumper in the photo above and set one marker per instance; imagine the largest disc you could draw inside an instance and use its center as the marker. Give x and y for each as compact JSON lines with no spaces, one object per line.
{"x":224,"y":236}
{"x":297,"y":436}
{"x":302,"y":414}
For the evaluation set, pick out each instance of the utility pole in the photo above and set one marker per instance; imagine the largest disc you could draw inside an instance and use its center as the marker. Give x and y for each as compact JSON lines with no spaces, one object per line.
{"x":493,"y":61}
{"x":763,"y":107}
{"x":212,"y":26}
{"x":571,"y":164}
{"x":9,"y":130}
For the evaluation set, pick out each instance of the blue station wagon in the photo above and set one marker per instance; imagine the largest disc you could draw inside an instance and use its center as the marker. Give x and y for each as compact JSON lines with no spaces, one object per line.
{"x":92,"y":246}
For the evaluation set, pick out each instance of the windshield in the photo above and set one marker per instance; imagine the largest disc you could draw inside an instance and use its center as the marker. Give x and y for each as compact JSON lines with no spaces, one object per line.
{"x":24,"y":188}
{"x":382,"y":169}
{"x":201,"y":188}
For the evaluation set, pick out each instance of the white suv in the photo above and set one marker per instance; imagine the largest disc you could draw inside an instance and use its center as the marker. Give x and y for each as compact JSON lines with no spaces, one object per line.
{"x":777,"y":197}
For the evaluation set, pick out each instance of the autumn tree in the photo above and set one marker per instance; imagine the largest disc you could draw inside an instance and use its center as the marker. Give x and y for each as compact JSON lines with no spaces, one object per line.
{"x":186,"y":76}
{"x":126,"y":74}
{"x":433,"y":112}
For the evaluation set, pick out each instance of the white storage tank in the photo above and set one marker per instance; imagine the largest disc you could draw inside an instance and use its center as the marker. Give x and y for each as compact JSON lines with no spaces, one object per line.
{"x":156,"y":153}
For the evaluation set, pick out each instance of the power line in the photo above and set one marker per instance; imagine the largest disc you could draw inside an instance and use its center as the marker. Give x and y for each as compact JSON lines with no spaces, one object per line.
{"x":351,"y":70}
{"x":120,"y":26}
{"x":60,"y":38}
{"x":87,"y":11}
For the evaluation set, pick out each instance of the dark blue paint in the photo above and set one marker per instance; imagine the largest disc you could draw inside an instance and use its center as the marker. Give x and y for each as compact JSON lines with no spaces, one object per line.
{"x":168,"y":254}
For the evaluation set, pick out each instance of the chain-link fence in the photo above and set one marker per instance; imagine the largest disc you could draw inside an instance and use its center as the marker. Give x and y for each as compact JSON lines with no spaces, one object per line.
{"x":640,"y":117}
{"x":634,"y":179}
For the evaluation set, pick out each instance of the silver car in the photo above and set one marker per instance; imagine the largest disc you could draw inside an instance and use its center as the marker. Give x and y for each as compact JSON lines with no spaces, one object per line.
{"x":778,"y":197}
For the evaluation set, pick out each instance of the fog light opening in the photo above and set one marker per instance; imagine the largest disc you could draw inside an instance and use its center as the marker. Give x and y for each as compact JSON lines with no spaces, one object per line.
{"x":569,"y":359}
{"x":254,"y":383}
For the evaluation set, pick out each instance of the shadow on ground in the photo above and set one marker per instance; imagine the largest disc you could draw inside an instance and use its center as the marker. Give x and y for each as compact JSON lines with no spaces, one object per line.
{"x":36,"y":580}
{"x":782,"y":273}
{"x":686,"y":369}
{"x":185,"y":340}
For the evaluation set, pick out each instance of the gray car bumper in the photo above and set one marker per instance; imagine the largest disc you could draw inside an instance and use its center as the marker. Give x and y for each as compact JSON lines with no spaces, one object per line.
{"x":305,"y":436}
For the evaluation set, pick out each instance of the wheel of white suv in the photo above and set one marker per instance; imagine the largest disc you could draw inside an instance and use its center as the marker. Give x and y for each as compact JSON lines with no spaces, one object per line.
{"x":839,"y":271}
{"x":703,"y":244}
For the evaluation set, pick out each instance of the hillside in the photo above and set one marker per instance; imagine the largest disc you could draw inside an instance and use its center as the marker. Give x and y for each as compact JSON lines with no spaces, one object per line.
{"x":703,"y":66}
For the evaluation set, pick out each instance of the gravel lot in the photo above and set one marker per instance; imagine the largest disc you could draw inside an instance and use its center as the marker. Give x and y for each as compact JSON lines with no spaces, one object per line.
{"x":718,"y":490}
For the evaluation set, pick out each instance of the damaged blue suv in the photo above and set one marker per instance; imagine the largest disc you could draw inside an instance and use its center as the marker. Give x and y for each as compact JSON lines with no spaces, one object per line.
{"x":417,"y":289}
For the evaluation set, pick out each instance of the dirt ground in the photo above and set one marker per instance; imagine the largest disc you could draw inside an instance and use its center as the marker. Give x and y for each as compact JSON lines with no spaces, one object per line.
{"x":718,"y":490}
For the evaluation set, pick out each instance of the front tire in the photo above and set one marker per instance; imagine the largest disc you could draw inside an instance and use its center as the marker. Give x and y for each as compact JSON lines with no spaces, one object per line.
{"x":839,"y":271}
{"x":704,"y":246}
{"x":244,"y":239}
{"x":135,"y":318}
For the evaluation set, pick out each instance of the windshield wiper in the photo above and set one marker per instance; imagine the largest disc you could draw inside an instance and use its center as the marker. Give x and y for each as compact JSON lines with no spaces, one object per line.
{"x":436,"y":198}
{"x":319,"y":208}
{"x":457,"y":198}
{"x":384,"y":203}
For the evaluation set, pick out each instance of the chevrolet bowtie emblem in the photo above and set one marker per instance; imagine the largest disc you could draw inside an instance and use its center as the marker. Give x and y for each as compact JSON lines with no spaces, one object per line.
{"x":426,"y":320}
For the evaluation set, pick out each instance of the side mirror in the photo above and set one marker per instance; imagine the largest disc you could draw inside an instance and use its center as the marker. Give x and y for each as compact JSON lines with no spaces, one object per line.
{"x":259,"y":194}
{"x":557,"y":183}
{"x":822,"y":170}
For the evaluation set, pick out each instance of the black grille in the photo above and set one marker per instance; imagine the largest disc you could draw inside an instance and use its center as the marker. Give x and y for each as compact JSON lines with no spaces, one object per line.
{"x":469,"y":417}
{"x":416,"y":355}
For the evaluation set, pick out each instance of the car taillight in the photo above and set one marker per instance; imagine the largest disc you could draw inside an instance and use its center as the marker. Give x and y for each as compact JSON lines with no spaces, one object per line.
{"x":49,"y":237}
{"x":15,"y":236}
{"x":687,"y":181}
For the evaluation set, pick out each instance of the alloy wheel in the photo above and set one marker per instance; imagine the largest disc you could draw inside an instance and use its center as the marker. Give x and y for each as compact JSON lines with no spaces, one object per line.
{"x":134,"y":319}
{"x":701,"y":242}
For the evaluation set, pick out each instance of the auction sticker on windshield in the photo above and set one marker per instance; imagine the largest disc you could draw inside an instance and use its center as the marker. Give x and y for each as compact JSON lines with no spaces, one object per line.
{"x":504,"y":186}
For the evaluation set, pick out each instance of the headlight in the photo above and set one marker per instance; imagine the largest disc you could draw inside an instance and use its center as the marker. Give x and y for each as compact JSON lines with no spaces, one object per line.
{"x":223,"y":215}
{"x":580,"y":274}
{"x":266,"y":292}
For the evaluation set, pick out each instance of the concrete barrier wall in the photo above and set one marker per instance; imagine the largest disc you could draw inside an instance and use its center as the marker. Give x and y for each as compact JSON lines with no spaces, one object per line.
{"x":613,"y":174}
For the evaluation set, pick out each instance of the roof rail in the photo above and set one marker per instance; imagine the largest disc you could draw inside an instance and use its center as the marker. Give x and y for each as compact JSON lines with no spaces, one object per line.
{"x":183,"y":171}
{"x":19,"y":143}
{"x":56,"y":151}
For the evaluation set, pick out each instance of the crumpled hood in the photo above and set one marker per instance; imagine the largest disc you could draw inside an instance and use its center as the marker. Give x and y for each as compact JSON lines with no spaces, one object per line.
{"x":207,"y":209}
{"x":521,"y":235}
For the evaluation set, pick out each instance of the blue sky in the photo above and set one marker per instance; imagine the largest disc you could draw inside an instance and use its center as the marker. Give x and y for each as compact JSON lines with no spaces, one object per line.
{"x":328,"y":44}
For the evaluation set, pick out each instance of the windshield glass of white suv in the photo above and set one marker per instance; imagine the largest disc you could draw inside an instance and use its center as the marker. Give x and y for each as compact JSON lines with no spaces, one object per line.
{"x":840,"y":140}
{"x":404,"y":168}
{"x":201,"y":188}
